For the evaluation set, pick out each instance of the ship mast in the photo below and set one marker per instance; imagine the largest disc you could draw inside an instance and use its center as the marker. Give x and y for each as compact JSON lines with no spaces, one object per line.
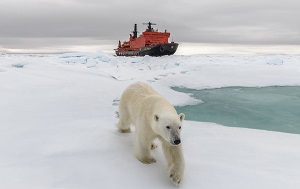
{"x":135,"y":31}
{"x":149,"y":26}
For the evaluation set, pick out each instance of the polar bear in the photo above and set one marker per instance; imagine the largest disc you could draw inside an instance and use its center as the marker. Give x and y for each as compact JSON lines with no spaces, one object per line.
{"x":153,"y":117}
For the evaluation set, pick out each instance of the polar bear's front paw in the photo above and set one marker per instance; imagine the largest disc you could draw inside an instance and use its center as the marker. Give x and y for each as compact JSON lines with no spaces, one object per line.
{"x":148,"y":160}
{"x":175,"y":175}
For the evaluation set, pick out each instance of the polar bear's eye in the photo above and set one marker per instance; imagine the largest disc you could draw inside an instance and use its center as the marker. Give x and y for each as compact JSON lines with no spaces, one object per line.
{"x":168,"y":127}
{"x":179,"y":127}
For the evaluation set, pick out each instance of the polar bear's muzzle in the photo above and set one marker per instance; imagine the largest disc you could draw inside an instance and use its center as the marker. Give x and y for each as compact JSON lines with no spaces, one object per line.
{"x":175,"y":142}
{"x":175,"y":138}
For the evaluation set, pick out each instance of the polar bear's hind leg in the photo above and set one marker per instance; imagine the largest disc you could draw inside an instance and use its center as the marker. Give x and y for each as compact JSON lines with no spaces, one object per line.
{"x":124,"y":123}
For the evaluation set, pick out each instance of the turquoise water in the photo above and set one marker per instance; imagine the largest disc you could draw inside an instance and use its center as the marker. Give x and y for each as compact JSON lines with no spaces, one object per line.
{"x":267,"y":108}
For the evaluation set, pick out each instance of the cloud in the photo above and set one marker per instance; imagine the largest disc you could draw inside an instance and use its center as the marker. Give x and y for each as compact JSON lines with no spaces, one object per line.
{"x":214,"y":21}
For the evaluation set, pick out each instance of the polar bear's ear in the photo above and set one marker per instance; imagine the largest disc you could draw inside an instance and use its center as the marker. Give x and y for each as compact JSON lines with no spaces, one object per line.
{"x":156,"y":117}
{"x":181,"y":116}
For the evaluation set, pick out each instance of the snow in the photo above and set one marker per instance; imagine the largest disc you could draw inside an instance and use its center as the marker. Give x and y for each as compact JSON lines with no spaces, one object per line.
{"x":58,"y":117}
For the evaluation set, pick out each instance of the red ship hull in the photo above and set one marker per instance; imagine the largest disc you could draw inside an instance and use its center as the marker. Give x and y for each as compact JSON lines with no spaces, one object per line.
{"x":152,"y":43}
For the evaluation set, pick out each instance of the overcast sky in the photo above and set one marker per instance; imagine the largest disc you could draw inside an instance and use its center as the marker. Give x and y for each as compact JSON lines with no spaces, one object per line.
{"x":47,"y":23}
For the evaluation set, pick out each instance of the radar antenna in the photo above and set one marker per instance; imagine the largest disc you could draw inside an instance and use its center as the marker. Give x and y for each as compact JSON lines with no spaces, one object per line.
{"x":149,"y":26}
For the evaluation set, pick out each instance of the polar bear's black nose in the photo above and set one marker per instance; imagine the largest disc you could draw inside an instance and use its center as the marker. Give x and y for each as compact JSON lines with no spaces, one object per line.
{"x":177,"y":142}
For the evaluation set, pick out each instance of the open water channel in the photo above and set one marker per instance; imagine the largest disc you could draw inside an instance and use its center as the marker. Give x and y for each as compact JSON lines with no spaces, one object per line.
{"x":268,"y":108}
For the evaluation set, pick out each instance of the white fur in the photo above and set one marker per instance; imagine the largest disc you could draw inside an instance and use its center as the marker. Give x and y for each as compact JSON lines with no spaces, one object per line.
{"x":154,"y":117}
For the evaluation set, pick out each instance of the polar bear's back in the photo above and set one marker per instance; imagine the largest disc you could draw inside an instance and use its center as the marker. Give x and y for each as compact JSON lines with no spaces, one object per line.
{"x":140,"y":97}
{"x":140,"y":88}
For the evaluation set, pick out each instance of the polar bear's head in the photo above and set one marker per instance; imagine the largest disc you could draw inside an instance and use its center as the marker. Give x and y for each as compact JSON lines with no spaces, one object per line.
{"x":168,"y":126}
